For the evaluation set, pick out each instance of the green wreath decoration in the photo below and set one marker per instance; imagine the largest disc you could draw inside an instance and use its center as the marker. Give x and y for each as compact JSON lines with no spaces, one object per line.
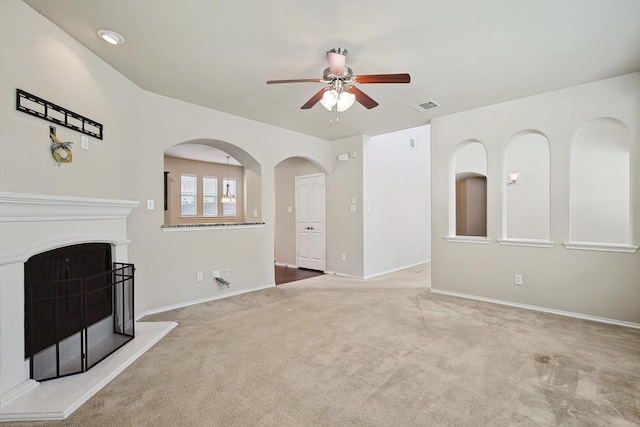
{"x":61,"y":151}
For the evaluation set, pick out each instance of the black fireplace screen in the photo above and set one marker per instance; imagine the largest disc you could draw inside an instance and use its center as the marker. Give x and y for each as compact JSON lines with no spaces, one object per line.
{"x":71,"y":322}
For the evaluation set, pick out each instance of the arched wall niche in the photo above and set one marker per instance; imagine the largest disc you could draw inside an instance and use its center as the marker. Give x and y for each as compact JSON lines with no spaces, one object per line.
{"x":468,"y":190}
{"x":208,"y":157}
{"x":599,"y":181}
{"x":526,"y":205}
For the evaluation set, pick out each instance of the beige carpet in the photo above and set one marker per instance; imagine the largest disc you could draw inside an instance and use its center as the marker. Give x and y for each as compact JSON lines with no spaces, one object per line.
{"x":329,"y":351}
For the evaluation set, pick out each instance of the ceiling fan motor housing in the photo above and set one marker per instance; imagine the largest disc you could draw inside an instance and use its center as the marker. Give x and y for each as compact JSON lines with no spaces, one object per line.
{"x":329,"y":77}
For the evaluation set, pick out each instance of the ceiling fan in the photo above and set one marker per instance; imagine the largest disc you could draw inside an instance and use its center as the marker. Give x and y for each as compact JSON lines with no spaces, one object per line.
{"x":341,"y":91}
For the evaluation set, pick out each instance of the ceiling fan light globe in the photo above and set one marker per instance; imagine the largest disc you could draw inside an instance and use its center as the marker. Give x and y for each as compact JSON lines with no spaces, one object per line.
{"x":329,"y":99}
{"x":345,"y":101}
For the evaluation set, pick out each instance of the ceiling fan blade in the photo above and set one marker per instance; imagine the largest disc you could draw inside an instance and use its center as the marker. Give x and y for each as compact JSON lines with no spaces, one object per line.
{"x":383,"y":78}
{"x":270,"y":82}
{"x":363,"y":98}
{"x":337,"y":58}
{"x":314,"y":100}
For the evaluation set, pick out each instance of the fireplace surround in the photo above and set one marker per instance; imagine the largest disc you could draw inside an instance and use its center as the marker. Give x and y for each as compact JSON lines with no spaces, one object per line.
{"x":31,"y":224}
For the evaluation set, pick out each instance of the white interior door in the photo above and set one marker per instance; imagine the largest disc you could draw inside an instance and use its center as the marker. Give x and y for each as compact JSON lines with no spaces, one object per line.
{"x":310,"y":224}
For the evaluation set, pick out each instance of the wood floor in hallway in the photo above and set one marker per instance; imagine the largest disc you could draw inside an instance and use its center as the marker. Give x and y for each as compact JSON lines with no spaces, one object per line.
{"x":292,"y":274}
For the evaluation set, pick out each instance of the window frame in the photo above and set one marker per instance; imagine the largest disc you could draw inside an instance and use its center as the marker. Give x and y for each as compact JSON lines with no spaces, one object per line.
{"x":205,"y":195}
{"x":188,"y":194}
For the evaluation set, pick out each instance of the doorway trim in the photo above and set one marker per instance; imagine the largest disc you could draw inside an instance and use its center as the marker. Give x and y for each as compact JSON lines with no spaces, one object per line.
{"x":321,"y":265}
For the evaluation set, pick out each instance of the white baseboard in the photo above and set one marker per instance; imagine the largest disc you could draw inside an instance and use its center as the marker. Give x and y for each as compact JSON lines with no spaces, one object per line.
{"x":542,"y":309}
{"x":282,"y":264}
{"x":335,"y":273}
{"x":200,"y":301}
{"x":381,"y":273}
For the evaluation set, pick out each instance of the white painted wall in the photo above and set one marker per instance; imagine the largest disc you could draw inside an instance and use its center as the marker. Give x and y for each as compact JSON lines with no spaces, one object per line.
{"x":397,"y":195}
{"x":594,"y":283}
{"x":345,"y":230}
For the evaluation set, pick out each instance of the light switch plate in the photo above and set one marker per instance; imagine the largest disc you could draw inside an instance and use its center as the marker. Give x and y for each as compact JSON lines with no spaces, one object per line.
{"x":85,"y":142}
{"x":150,"y":204}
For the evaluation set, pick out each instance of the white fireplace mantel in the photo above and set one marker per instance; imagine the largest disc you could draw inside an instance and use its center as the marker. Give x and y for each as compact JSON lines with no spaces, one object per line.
{"x":31,"y":224}
{"x":34,"y":223}
{"x":20,"y":207}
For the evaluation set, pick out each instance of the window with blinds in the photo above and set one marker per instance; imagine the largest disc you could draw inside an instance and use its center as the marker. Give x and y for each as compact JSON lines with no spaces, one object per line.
{"x":209,"y":196}
{"x":188,"y":195}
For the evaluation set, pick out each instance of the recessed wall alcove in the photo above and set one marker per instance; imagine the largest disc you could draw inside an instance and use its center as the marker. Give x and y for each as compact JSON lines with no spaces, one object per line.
{"x":526,"y":204}
{"x":468,"y":193}
{"x":600,"y":183}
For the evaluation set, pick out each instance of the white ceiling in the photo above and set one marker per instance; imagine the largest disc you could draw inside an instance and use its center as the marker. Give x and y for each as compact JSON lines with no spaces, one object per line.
{"x":461,"y":54}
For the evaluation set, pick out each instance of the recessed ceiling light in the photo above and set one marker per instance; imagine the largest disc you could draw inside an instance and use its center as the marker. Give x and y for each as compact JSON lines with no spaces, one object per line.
{"x":111,"y":37}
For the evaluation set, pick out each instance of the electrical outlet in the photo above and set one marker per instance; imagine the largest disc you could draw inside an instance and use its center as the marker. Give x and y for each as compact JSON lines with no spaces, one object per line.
{"x":199,"y":276}
{"x":344,"y":257}
{"x":518,"y":279}
{"x":227,"y":273}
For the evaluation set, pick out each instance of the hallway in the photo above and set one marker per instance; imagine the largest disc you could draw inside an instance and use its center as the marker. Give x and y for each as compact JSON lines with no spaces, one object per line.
{"x":290,"y":274}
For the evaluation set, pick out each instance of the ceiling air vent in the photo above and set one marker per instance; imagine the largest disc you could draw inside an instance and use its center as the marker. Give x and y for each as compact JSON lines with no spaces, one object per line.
{"x":424,"y":106}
